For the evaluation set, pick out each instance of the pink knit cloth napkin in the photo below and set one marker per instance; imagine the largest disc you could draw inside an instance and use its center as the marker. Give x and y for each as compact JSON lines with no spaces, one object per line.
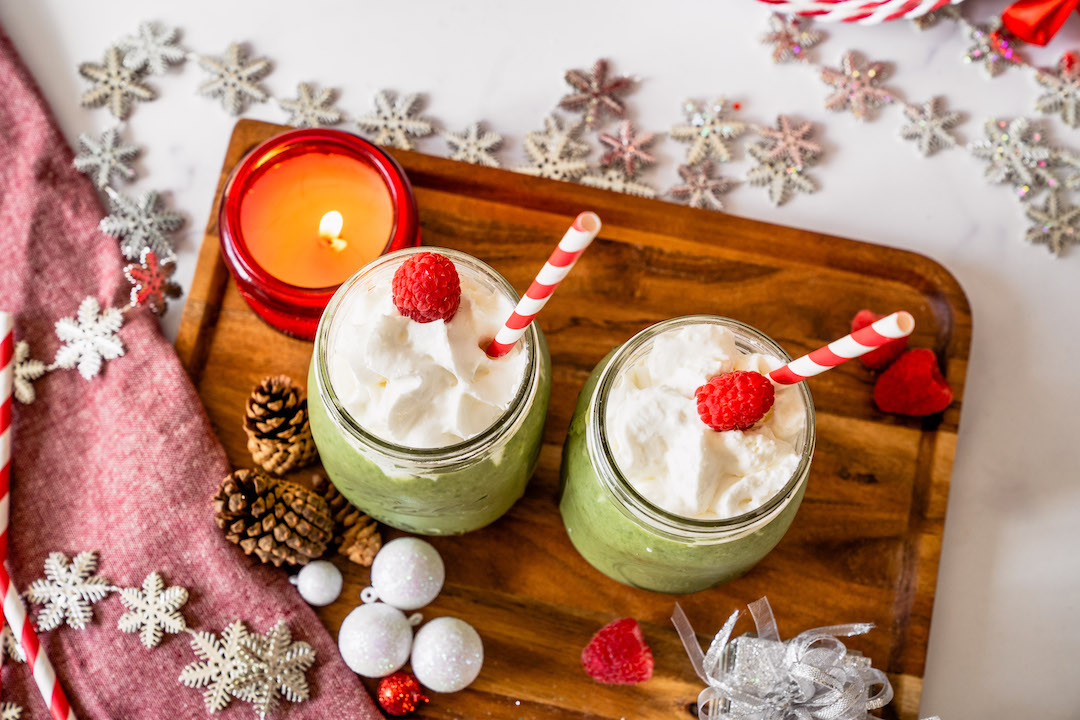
{"x":124,"y":464}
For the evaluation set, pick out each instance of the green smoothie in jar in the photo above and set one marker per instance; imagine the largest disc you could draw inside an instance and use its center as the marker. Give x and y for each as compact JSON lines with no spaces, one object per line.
{"x":415,"y":424}
{"x":654,"y":498}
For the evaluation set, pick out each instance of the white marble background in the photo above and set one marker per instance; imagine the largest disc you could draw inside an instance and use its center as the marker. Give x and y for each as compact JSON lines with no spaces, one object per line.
{"x":1006,"y":624}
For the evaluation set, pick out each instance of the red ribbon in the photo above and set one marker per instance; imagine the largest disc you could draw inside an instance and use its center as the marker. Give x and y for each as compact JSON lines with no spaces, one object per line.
{"x":1036,"y":21}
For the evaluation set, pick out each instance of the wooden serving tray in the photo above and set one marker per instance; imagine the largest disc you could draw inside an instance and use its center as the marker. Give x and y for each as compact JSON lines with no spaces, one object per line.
{"x":865,"y":544}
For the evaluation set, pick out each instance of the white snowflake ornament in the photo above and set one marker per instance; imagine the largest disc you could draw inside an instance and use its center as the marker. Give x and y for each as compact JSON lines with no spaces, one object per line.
{"x":1056,"y":224}
{"x":27,"y":370}
{"x":10,"y":711}
{"x":89,"y":339}
{"x":615,"y":179}
{"x":474,"y":145}
{"x":707,"y":130}
{"x":9,"y":646}
{"x":68,"y":590}
{"x":928,"y":126}
{"x":153,"y":611}
{"x":1063,"y":84}
{"x":218,"y":668}
{"x":234,"y":79}
{"x":104,"y":159}
{"x":780,"y":176}
{"x":555,"y":152}
{"x":311,"y":109}
{"x":140,"y":224}
{"x":151,"y":49}
{"x":273,"y":666}
{"x":396,"y":121}
{"x":115,"y":86}
{"x":1016,"y":154}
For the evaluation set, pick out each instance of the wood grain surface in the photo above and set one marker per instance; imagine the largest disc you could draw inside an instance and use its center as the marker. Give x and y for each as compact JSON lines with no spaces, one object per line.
{"x":865,"y":544}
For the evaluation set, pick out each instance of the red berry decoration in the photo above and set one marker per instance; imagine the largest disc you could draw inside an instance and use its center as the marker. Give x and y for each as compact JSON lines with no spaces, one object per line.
{"x":400,"y":694}
{"x":427,"y":288}
{"x":913,"y":385}
{"x":884,"y":355}
{"x":735,"y":400}
{"x":618,"y":654}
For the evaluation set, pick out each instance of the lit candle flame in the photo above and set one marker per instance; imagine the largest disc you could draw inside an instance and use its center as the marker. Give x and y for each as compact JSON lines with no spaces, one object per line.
{"x":330,"y":229}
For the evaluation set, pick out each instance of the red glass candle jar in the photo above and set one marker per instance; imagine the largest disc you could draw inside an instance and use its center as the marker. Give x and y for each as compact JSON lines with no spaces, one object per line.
{"x":305,"y":210}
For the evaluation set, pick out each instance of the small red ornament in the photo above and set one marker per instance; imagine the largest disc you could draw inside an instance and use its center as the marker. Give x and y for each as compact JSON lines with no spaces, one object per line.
{"x":400,"y":694}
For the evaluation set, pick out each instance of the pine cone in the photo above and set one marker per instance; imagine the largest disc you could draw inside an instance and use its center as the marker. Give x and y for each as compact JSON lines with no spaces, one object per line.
{"x":356,"y":535}
{"x":276,"y":423}
{"x":279,"y":522}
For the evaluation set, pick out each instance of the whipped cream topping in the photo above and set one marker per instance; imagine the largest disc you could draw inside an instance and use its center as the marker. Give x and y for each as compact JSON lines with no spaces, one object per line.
{"x":676,"y":461}
{"x":423,"y":385}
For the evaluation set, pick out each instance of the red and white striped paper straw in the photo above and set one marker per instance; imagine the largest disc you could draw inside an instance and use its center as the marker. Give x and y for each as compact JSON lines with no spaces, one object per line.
{"x":577,"y":238}
{"x":898,"y":325}
{"x":14,"y":609}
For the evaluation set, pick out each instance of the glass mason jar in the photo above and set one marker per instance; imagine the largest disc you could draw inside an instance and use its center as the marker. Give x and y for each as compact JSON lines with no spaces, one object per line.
{"x":430,"y":491}
{"x":632,"y":540}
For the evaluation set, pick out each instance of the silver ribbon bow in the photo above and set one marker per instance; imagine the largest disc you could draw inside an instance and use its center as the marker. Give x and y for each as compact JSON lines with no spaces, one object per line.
{"x":812,"y":676}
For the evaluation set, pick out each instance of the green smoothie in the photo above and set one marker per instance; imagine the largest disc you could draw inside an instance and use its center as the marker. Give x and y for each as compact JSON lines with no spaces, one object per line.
{"x":626,"y":537}
{"x":433,"y":490}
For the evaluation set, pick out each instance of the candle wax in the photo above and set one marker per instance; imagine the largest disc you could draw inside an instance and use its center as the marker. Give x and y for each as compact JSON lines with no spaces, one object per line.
{"x":280,"y":214}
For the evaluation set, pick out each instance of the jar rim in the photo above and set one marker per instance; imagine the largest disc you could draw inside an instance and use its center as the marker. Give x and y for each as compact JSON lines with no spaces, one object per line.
{"x":603,"y":458}
{"x":448,"y":455}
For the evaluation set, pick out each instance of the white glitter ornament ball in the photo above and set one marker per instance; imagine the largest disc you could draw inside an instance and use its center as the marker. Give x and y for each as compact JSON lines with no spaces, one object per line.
{"x":319,"y":583}
{"x":447,"y":655}
{"x":375,"y":640}
{"x":407,"y":573}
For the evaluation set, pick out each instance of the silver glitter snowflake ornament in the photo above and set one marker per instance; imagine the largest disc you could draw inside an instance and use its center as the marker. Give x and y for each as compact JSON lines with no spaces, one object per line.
{"x":928,"y":126}
{"x":780,"y":177}
{"x":310,"y":109}
{"x":597,"y":95}
{"x":790,"y":38}
{"x":707,"y":130}
{"x":27,"y":370}
{"x":396,"y":121}
{"x":474,"y":145}
{"x":1063,"y":84}
{"x":615,"y":179}
{"x":993,"y":46}
{"x":555,"y":152}
{"x":1056,"y":223}
{"x":153,"y":610}
{"x":114,"y":85}
{"x":1016,"y":154}
{"x":857,"y":87}
{"x":791,"y":141}
{"x":141,"y":224}
{"x":234,"y":78}
{"x":628,"y":148}
{"x":152,"y":49}
{"x":218,"y":668}
{"x":105,"y":158}
{"x":932,"y":18}
{"x":68,"y":590}
{"x":88,"y":340}
{"x":275,"y":666}
{"x":700,"y":188}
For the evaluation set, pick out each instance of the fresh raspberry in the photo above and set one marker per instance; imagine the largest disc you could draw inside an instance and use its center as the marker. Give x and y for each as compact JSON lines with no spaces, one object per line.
{"x":735,"y":400}
{"x":884,"y":355}
{"x":618,"y":654}
{"x":913,"y":385}
{"x":427,"y":288}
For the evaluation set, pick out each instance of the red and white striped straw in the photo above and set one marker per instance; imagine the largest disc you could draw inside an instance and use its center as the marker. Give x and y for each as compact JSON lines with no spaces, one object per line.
{"x":898,"y":325}
{"x":14,"y":609}
{"x":577,"y":238}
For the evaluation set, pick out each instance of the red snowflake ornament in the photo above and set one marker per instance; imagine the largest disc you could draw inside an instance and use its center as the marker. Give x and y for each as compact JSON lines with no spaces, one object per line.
{"x":150,"y":283}
{"x":596,"y":94}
